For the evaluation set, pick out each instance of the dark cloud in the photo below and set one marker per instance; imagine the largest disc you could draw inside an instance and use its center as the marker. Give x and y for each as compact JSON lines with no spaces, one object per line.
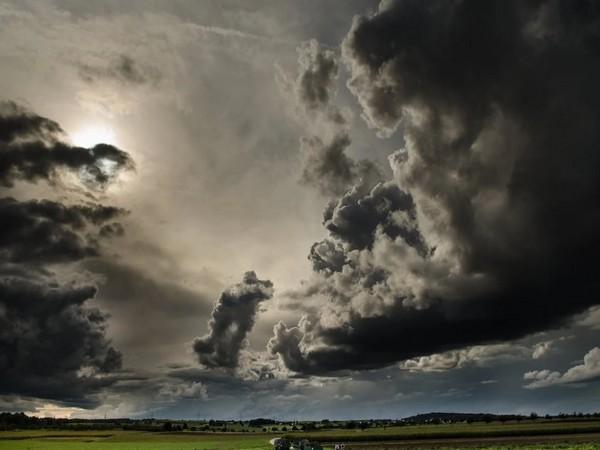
{"x":232,"y":320}
{"x":17,"y":123}
{"x":497,"y":236}
{"x":330,"y":170}
{"x":352,"y":222}
{"x":52,"y":345}
{"x":48,"y":338}
{"x":354,"y":218}
{"x":32,"y":149}
{"x":317,"y":76}
{"x":112,"y":230}
{"x":286,"y":342}
{"x":326,"y":164}
{"x":40,"y":232}
{"x":327,"y":255}
{"x":123,"y":69}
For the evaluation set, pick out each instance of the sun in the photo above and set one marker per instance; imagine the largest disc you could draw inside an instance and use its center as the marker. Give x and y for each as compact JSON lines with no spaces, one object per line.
{"x":91,"y":135}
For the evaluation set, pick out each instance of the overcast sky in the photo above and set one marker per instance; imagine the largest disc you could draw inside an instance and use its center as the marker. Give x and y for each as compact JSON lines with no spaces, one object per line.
{"x":299,"y":209}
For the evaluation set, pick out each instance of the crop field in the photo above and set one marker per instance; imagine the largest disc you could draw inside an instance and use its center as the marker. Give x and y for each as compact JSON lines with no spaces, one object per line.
{"x":457,"y":430}
{"x":129,"y":440}
{"x":578,"y":435}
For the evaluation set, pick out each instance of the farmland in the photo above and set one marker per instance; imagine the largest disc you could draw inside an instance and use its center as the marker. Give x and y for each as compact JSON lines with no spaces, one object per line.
{"x":579,"y":435}
{"x":453,"y":431}
{"x":129,"y":440}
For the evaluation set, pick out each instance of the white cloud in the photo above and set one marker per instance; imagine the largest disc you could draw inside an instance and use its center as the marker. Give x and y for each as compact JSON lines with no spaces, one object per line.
{"x":591,"y":319}
{"x":541,"y":348}
{"x":589,"y":370}
{"x":479,"y":355}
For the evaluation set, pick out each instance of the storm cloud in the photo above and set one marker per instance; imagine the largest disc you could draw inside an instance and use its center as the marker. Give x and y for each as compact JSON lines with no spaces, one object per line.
{"x":232,"y":319}
{"x":33,"y":148}
{"x":355,"y":217}
{"x":326,"y":167}
{"x":498,"y":105}
{"x":52,"y":344}
{"x":318,"y":72}
{"x":43,"y":231}
{"x":431,"y":284}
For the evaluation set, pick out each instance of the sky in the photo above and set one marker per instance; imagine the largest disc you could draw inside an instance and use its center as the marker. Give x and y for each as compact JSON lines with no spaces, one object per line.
{"x":304,"y":209}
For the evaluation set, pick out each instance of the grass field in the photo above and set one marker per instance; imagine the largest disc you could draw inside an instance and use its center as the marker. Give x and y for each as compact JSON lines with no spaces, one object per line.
{"x":525,"y":436}
{"x":461,"y":430}
{"x":129,"y":440}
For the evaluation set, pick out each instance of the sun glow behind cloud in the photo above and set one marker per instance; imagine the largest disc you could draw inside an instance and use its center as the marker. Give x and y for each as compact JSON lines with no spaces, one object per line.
{"x":90,"y":135}
{"x":53,"y":410}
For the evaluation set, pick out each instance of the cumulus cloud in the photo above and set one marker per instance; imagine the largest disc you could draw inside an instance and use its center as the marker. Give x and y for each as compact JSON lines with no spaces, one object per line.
{"x":32,"y":148}
{"x":542,"y":349}
{"x":328,"y":256}
{"x":52,"y":344}
{"x":232,"y":319}
{"x":326,"y":164}
{"x":494,"y":230}
{"x":317,"y":74}
{"x":591,"y":318}
{"x":588,"y":371}
{"x":17,"y":123}
{"x":286,"y":343}
{"x":174,"y":391}
{"x":43,"y":231}
{"x":479,"y":355}
{"x":357,"y":215}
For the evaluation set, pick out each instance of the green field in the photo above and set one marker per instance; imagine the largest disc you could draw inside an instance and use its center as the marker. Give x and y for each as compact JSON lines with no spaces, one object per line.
{"x":460,"y":430}
{"x":129,"y":440}
{"x":578,"y":435}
